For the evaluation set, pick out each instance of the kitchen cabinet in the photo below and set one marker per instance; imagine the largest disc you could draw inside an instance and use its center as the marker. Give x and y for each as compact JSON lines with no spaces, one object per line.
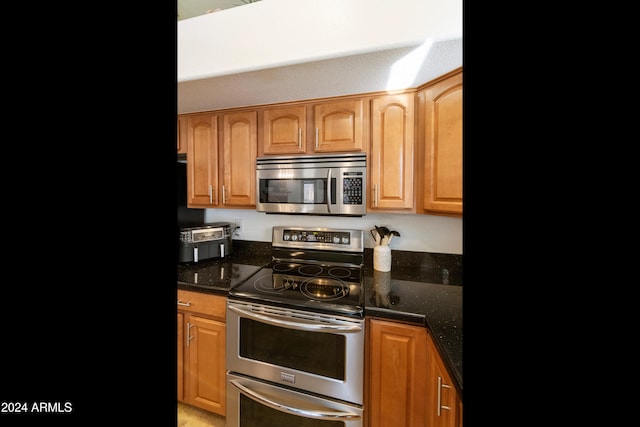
{"x":397,"y":374}
{"x":391,"y":162}
{"x":221,"y":160}
{"x":444,"y":407}
{"x":182,"y":135}
{"x":180,"y":357}
{"x":202,"y":160}
{"x":442,"y":132}
{"x":283,"y":130}
{"x":310,"y":128}
{"x":238,"y":159}
{"x":339,"y":126}
{"x":201,"y":351}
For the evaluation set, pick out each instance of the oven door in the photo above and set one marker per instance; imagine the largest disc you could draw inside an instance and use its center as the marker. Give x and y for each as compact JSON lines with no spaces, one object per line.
{"x":252,"y":403}
{"x":310,"y":351}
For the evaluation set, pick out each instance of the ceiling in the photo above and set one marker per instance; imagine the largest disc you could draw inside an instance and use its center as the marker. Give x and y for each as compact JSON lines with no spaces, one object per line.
{"x":380,"y":61}
{"x":190,"y":8}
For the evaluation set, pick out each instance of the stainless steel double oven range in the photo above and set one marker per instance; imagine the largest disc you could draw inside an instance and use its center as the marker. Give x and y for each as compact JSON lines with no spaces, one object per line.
{"x":295,"y":334}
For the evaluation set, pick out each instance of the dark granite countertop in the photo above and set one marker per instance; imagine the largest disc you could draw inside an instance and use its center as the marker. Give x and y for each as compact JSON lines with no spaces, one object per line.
{"x":436,"y":306}
{"x":218,"y":276}
{"x":422,"y":289}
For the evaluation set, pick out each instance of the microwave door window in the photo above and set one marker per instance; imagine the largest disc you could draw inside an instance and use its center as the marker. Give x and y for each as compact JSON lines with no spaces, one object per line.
{"x":296,"y":191}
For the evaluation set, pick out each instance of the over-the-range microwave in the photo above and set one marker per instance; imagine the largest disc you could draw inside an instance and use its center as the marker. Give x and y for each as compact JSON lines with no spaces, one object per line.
{"x":330,"y":184}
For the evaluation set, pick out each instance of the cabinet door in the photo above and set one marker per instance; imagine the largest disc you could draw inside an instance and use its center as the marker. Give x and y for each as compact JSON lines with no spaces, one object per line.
{"x":442,"y":399}
{"x":205,"y":355}
{"x":283,"y":130}
{"x":182,"y":135}
{"x":239,"y":159}
{"x":202,"y":160}
{"x":338,"y":126}
{"x":443,"y":146}
{"x":397,"y":371}
{"x":180,"y":357}
{"x":392,"y":152}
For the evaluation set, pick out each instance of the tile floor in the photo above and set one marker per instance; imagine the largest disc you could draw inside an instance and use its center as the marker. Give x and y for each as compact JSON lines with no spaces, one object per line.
{"x":190,"y":416}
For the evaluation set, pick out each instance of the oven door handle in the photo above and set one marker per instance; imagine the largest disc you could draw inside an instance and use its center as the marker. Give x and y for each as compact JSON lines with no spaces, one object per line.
{"x":321,"y":415}
{"x":309,"y":327}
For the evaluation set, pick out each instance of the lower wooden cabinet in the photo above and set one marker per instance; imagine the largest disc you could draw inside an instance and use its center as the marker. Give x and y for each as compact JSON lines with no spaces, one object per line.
{"x":397,"y":374}
{"x":443,"y":403}
{"x":407,"y":382}
{"x":180,"y":357}
{"x":201,"y":350}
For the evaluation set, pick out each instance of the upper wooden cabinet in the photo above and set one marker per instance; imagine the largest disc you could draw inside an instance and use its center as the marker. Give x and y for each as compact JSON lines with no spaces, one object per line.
{"x":391,"y":162}
{"x":238,"y":160}
{"x":338,"y":126}
{"x":202,"y":160}
{"x":442,"y":124}
{"x":182,"y":135}
{"x":322,"y":127}
{"x":283,"y":130}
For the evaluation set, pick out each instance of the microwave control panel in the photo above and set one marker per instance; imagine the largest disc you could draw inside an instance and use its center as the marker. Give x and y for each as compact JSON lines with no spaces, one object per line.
{"x":352,"y":188}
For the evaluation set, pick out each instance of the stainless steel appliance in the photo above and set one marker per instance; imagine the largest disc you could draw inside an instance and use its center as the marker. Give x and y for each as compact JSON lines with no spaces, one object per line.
{"x":204,"y":241}
{"x":330,"y":184}
{"x":295,"y":333}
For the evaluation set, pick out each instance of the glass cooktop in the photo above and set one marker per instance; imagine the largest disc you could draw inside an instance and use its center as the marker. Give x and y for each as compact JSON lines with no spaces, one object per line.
{"x":327,"y":288}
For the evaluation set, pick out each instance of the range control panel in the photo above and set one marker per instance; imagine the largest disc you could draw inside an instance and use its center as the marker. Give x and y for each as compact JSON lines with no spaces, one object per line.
{"x":318,"y":238}
{"x":337,"y":237}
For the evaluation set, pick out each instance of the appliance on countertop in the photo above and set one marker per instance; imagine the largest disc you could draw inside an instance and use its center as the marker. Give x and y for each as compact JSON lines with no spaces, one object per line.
{"x":206,"y":241}
{"x":295,"y":333}
{"x":329,"y":184}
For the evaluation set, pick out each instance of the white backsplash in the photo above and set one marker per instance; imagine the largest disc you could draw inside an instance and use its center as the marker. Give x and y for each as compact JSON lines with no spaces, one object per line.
{"x":418,"y":232}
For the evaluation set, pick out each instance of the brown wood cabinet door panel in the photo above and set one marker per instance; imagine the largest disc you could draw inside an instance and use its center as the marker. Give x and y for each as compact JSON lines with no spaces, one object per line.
{"x":207,"y":381}
{"x":183,"y":133}
{"x":284,"y":130}
{"x":392,"y":152}
{"x":339,"y":126}
{"x":397,"y":374}
{"x":239,"y":159}
{"x":443,"y":146}
{"x":202,"y":160}
{"x":442,"y":398}
{"x":180,"y":356}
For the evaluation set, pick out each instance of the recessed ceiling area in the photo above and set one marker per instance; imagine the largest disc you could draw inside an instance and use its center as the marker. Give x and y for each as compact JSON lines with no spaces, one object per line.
{"x":191,"y":8}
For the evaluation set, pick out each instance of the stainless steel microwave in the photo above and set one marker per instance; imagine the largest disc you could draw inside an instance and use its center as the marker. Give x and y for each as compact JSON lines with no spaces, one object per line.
{"x":330,"y":184}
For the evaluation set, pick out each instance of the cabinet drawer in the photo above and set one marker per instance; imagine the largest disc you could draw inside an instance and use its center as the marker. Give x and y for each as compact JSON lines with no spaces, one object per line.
{"x":196,"y":302}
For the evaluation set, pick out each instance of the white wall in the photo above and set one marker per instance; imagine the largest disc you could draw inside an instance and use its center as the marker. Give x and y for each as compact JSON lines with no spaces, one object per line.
{"x":418,"y":232}
{"x":242,"y":39}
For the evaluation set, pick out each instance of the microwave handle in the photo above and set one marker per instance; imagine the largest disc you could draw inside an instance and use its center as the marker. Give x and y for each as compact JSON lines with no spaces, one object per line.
{"x":319,"y":327}
{"x":329,"y":190}
{"x":321,"y":415}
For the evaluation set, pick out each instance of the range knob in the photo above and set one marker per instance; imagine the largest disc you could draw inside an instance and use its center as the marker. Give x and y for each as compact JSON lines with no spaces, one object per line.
{"x":294,"y":237}
{"x":345,"y":239}
{"x":336,"y":239}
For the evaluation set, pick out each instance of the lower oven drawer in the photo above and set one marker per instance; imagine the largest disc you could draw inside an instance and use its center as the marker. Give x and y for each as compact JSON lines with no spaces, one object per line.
{"x":253,"y":403}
